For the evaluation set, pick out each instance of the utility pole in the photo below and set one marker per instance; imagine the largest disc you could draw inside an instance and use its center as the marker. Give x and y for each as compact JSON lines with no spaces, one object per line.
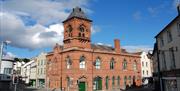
{"x":1,"y":53}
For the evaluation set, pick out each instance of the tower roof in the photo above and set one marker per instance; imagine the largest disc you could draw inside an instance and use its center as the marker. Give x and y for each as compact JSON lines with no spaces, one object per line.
{"x":77,"y":13}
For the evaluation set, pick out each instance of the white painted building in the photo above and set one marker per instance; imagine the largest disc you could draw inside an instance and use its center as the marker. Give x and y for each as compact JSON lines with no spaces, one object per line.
{"x":33,"y":73}
{"x":41,"y":69}
{"x":146,"y":66}
{"x":26,"y":71}
{"x":6,"y":68}
{"x":18,"y":68}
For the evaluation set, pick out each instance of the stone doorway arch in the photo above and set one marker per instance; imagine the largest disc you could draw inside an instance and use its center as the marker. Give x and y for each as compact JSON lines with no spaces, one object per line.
{"x":82,"y":84}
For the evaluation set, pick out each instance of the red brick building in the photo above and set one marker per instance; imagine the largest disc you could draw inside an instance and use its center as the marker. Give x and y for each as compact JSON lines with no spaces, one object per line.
{"x":79,"y":65}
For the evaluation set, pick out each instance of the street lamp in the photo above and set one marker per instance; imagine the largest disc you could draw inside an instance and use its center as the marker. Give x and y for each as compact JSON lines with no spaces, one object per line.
{"x":3,"y":43}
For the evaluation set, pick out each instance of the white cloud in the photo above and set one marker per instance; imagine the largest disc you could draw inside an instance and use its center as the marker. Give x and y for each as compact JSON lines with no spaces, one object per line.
{"x":153,"y":11}
{"x":48,"y":15}
{"x":137,"y":48}
{"x":30,"y":37}
{"x":95,"y":29}
{"x":137,"y":15}
{"x":164,"y":7}
{"x":44,"y":11}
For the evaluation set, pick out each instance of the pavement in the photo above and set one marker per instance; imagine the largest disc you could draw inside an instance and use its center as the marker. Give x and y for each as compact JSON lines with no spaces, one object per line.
{"x":43,"y":89}
{"x":140,"y":89}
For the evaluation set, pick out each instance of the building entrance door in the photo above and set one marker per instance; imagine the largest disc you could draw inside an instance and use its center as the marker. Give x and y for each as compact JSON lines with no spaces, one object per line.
{"x":82,"y":86}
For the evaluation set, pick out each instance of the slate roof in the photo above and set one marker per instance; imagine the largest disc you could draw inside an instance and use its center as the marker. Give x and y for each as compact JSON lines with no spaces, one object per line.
{"x":102,"y":47}
{"x":77,"y":13}
{"x":106,"y":48}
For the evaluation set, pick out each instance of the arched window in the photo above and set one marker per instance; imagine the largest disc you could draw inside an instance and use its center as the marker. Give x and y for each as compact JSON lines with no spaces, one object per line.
{"x":134,"y":80}
{"x":107,"y":82}
{"x":68,"y":62}
{"x":69,"y":31}
{"x":98,"y":63}
{"x":79,"y":35}
{"x":130,"y":82}
{"x":82,"y":63}
{"x":125,"y":78}
{"x":83,"y":35}
{"x":68,"y":81}
{"x":113,"y":81}
{"x":135,"y":65}
{"x":81,"y":31}
{"x":118,"y":80}
{"x":81,"y":28}
{"x":124,"y":64}
{"x":112,"y":64}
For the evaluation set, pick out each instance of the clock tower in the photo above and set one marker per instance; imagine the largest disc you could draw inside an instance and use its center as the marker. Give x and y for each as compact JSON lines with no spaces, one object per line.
{"x":77,"y":30}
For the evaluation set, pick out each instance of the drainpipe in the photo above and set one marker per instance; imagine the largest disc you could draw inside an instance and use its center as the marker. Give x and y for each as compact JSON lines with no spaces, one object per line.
{"x":92,"y":69}
{"x":61,"y":69}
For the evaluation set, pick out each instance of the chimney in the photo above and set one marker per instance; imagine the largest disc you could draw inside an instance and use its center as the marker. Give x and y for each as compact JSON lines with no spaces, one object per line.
{"x":117,"y":45}
{"x":178,"y":9}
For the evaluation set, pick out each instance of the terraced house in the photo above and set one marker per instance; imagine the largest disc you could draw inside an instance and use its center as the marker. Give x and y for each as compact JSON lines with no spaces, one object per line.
{"x":79,"y":65}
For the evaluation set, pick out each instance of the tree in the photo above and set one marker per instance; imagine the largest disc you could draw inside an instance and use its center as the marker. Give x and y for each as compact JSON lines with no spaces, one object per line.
{"x":22,"y":60}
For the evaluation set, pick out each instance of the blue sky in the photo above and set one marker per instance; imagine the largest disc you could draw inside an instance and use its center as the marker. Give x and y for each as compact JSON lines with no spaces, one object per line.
{"x":37,"y":26}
